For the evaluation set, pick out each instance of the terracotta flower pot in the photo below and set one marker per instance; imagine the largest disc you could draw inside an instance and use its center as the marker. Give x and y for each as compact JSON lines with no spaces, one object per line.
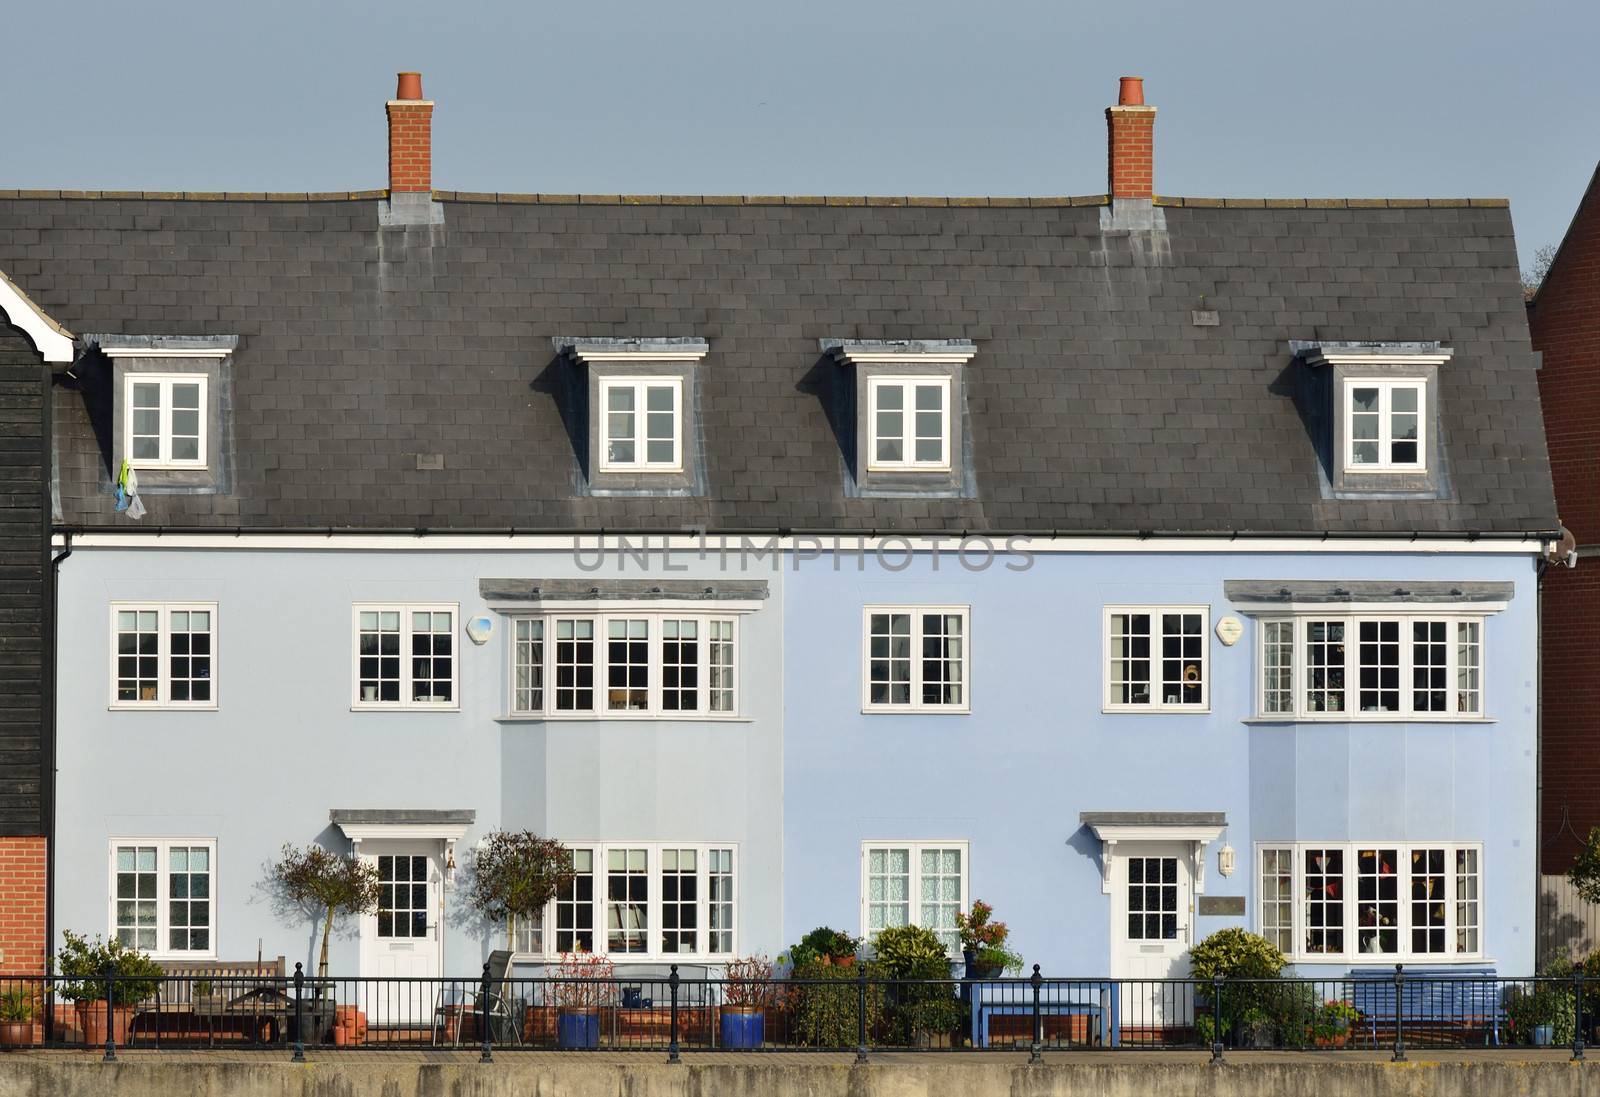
{"x":92,"y":1022}
{"x":16,"y":1033}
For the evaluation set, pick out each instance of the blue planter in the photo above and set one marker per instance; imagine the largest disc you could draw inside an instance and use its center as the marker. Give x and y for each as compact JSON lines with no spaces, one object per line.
{"x":578,"y":1028}
{"x":1544,"y":1035}
{"x":740,"y":1029}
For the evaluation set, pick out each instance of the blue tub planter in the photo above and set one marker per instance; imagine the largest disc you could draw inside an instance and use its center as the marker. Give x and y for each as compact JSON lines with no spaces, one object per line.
{"x":578,"y":1028}
{"x":742,"y":1027}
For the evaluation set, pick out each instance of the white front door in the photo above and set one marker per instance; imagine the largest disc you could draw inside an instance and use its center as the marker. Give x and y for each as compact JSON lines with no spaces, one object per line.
{"x":402,"y":941}
{"x":1151,"y":897}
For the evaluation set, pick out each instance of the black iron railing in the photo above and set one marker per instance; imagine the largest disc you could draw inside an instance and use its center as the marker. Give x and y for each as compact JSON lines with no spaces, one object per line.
{"x":852,"y":1010}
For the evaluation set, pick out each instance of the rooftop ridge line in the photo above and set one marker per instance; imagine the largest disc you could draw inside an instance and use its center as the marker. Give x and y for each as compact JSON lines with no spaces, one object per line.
{"x":992,"y":202}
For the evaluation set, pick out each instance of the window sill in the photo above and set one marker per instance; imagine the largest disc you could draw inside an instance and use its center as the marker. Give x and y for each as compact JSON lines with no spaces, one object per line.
{"x":640,"y":470}
{"x":916,"y":710}
{"x":168,"y":466}
{"x":623,"y":959}
{"x":1381,"y":960}
{"x":402,"y":707}
{"x":936,"y":469}
{"x":180,"y":957}
{"x":1349,"y":718}
{"x":1156,"y":710}
{"x":157,"y":706}
{"x":627,"y":718}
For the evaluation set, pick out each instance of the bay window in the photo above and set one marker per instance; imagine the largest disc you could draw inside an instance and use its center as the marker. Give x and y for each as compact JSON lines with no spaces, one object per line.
{"x":1374,"y":667}
{"x":628,"y":664}
{"x":1359,"y":901}
{"x":640,"y":901}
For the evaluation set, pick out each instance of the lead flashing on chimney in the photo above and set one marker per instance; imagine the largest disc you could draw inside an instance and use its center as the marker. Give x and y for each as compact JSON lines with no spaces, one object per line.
{"x":406,"y":208}
{"x":1132,"y":215}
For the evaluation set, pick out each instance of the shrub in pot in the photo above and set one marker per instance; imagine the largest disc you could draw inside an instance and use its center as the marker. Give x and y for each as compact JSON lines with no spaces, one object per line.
{"x":583,"y":984}
{"x":983,"y":943}
{"x":1249,"y":1010}
{"x":83,"y":965}
{"x":1333,"y":1022}
{"x":1541,"y":1012}
{"x":18,"y":1006}
{"x":922,"y":1008}
{"x":747,"y":994}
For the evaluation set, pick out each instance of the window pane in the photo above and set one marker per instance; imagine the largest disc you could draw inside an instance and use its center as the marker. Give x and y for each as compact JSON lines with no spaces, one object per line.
{"x":1467,"y":900}
{"x":1468,"y":653}
{"x":1182,"y":659}
{"x":943,"y":659}
{"x":1429,"y":672}
{"x":889,"y":422}
{"x":680,"y":666}
{"x":432,"y":657}
{"x":721,"y":665}
{"x":528,"y":669}
{"x":1325,"y":666}
{"x":575,"y":906}
{"x":889,"y":662}
{"x":627,"y":902}
{"x":888,"y":888}
{"x":627,"y":665}
{"x":575,"y":653}
{"x":680,"y":902}
{"x":189,"y":656}
{"x":1377,"y":901}
{"x":1277,"y":678}
{"x":1428,"y":901}
{"x":1277,"y":898}
{"x":1379,"y":653}
{"x":379,"y":665}
{"x":1324,"y":900}
{"x":939,"y":888}
{"x":719,"y":908}
{"x":138,"y":670}
{"x":1129,"y":647}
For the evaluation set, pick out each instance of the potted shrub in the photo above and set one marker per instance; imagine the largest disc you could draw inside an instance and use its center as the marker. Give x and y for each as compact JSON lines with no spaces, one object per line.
{"x":1247,"y":1009}
{"x":327,"y":884}
{"x":18,"y":1006}
{"x":825,"y":946}
{"x":83,"y":965}
{"x":983,"y":943}
{"x":515,"y":874}
{"x":747,"y":993}
{"x":1332,"y":1025}
{"x":923,"y":1010}
{"x":582,"y":986}
{"x":824,"y":998}
{"x":1541,"y":1012}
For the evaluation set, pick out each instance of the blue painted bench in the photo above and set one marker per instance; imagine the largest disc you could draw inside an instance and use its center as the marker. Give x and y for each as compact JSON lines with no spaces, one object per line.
{"x":1088,"y":998}
{"x":1464,"y":997}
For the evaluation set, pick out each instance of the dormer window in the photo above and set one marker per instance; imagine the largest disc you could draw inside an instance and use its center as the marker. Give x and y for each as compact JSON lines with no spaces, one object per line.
{"x":636,"y":424}
{"x":910,"y":422}
{"x":1373,"y":412}
{"x":1383,"y":425}
{"x":642,"y":427}
{"x":166,"y":421}
{"x":903,"y":416}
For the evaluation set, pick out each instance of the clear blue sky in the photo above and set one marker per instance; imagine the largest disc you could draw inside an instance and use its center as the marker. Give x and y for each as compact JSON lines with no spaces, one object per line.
{"x":1401,"y":98}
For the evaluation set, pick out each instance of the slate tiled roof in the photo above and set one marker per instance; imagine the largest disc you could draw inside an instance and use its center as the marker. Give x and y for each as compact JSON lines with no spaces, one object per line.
{"x":1095,"y":401}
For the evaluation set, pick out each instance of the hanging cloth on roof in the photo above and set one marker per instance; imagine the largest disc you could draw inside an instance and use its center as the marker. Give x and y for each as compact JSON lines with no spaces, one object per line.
{"x":128,"y":492}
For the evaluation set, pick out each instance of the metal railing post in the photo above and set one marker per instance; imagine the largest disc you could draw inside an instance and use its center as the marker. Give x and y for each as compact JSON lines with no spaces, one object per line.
{"x":1399,"y":1013}
{"x":111,"y":1015}
{"x":1577,"y":1011}
{"x":1216,"y":1017}
{"x":486,"y":1055}
{"x":1034,"y":1055}
{"x":299,"y":1018}
{"x":672,"y":1036}
{"x":861,"y":1011}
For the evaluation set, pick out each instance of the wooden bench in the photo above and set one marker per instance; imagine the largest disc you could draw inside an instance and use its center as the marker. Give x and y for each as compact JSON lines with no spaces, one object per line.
{"x":204,"y":995}
{"x":1451,"y":1004}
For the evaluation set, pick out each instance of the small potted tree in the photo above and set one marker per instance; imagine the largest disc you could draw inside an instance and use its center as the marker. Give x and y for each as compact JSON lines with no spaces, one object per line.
{"x":583,"y":984}
{"x":18,"y":1007}
{"x":515,"y":874}
{"x":84,"y":966}
{"x":983,"y":943}
{"x":747,"y":993}
{"x":1248,"y":1008}
{"x":327,"y":884}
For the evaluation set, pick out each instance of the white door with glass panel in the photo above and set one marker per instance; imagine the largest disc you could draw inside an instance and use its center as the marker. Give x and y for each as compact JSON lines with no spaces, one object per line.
{"x":1150,"y":930}
{"x":402,"y":940}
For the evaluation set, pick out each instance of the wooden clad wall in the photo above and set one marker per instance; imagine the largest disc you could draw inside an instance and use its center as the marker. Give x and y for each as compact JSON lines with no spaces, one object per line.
{"x":24,"y":592}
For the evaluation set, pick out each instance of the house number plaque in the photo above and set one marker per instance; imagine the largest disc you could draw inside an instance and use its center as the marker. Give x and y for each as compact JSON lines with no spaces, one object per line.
{"x":1220,"y":904}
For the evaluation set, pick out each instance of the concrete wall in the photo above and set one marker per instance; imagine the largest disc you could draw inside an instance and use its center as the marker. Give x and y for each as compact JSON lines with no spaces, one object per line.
{"x":1037,"y":749}
{"x":1169,"y":1074}
{"x":284,"y":747}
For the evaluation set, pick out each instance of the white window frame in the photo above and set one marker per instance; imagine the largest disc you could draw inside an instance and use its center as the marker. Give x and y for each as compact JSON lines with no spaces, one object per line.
{"x":653,"y":710}
{"x":914,"y":900}
{"x":405,"y":609}
{"x":165,"y":381}
{"x":641,"y":461}
{"x":163,"y":913}
{"x":908,"y":436}
{"x":1351,"y":928}
{"x":653,"y":953}
{"x":164,"y":612}
{"x":917,"y":704}
{"x":1386,"y":388}
{"x":1110,"y":703}
{"x":1299,"y":670}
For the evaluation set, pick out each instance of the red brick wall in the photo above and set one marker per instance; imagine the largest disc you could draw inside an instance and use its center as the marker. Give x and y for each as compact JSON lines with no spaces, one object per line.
{"x":22,"y":879}
{"x":1565,"y":324}
{"x":410,"y":145}
{"x":1131,"y":145}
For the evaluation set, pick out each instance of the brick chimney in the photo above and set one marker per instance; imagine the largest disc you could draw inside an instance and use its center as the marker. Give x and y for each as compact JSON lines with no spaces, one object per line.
{"x":410,"y":138}
{"x":1131,"y":128}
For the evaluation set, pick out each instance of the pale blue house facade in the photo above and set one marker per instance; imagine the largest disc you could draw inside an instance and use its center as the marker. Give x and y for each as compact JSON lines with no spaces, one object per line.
{"x":1140,"y":566}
